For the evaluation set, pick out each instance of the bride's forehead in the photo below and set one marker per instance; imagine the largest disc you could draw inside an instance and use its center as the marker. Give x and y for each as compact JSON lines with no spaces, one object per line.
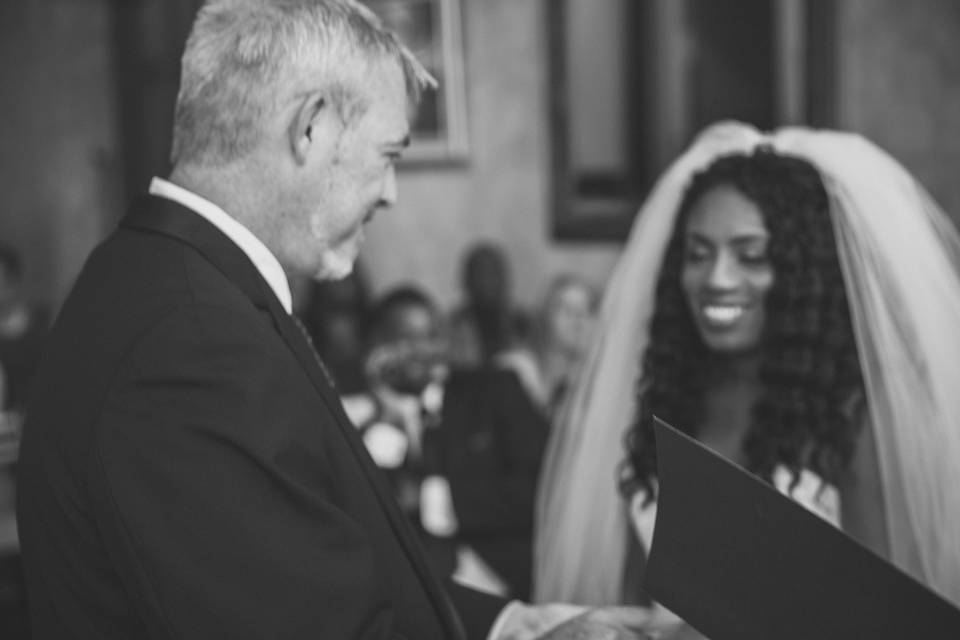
{"x":725,"y":211}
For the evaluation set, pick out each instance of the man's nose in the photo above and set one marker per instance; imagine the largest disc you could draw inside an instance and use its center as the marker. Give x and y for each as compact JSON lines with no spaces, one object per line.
{"x":389,"y":196}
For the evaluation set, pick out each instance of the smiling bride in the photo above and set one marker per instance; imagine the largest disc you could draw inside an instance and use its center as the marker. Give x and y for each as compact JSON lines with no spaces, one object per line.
{"x":790,"y":300}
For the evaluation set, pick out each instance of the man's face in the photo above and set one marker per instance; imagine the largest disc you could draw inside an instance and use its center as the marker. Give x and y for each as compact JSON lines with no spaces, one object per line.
{"x":342,"y":186}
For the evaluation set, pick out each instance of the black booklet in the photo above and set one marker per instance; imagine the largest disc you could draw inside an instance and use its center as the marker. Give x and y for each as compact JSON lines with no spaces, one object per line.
{"x":738,"y":560}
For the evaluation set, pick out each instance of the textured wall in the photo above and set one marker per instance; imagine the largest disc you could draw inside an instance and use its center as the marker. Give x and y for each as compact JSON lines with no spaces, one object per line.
{"x":502,"y":194}
{"x":899,"y":83}
{"x":900,"y":74}
{"x":58,"y":172}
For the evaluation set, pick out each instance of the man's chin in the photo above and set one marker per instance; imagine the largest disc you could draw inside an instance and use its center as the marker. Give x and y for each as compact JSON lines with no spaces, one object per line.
{"x":334,"y":272}
{"x":337,"y":265}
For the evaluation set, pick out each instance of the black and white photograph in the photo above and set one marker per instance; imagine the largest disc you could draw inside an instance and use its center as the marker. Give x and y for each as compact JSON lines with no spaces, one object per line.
{"x":479,"y":319}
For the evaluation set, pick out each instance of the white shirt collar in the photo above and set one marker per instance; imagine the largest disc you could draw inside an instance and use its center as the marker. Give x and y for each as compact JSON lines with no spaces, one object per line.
{"x":265,"y":262}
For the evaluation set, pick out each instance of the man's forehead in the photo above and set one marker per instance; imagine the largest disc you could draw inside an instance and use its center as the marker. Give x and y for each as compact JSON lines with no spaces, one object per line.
{"x":384,"y":83}
{"x":391,"y":122}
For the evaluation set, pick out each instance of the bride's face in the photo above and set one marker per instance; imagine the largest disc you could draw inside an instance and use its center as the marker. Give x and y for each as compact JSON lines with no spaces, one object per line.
{"x":726,"y":272}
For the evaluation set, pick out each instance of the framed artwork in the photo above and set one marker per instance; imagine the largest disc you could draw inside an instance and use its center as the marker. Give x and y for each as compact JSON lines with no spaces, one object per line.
{"x":633,"y":82}
{"x":432,"y":31}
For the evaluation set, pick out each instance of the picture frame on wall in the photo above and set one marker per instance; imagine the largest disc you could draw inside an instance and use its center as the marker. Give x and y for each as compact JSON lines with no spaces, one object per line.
{"x":432,"y":29}
{"x":631,"y":83}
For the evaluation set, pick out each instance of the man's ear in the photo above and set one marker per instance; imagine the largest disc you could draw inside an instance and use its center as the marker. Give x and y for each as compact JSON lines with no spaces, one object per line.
{"x":309,"y":124}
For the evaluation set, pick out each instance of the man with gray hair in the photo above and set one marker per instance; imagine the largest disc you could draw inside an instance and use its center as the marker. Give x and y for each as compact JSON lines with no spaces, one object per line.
{"x":187,"y":470}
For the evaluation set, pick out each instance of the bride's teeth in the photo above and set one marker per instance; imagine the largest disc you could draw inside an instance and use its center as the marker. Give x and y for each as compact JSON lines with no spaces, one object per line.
{"x":722,"y":313}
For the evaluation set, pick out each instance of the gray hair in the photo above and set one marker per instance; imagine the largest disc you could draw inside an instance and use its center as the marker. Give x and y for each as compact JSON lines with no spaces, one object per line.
{"x":243,"y":55}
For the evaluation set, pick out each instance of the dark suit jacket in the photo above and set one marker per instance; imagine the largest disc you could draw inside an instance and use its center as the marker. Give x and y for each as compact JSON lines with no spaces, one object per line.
{"x":492,"y":440}
{"x":188,"y":472}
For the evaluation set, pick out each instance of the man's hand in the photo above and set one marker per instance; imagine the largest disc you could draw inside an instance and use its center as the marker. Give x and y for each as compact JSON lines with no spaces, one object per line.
{"x":591,"y":626}
{"x":576,"y":622}
{"x":655,"y":622}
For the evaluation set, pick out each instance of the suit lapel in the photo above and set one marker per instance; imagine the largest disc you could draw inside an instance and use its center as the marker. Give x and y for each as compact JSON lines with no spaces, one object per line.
{"x":398,"y":522}
{"x":159,"y":215}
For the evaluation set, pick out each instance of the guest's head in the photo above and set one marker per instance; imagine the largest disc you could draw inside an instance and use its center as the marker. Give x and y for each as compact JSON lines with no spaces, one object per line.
{"x":290,"y":115}
{"x":752,"y":272}
{"x":406,"y":340}
{"x":336,"y":315}
{"x":486,"y":277}
{"x":567,"y":315}
{"x":406,"y":314}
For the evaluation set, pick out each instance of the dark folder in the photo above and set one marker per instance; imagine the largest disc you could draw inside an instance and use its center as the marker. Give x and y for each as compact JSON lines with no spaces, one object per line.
{"x":738,"y":560}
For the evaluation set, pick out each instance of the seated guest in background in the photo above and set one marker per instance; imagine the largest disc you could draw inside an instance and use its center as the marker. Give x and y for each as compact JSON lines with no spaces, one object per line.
{"x":491,"y":443}
{"x":186,"y":469}
{"x":23,"y":327}
{"x":791,"y":300}
{"x":487,"y":323}
{"x":558,"y":345}
{"x":406,"y":369}
{"x":472,"y":435}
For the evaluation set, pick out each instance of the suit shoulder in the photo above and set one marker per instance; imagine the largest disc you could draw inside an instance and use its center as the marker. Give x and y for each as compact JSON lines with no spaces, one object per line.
{"x":207,"y":330}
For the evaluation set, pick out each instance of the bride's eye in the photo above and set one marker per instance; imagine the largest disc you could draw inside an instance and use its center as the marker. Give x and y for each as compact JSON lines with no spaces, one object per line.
{"x":755,"y":258}
{"x":696,"y":252}
{"x":755,"y":255}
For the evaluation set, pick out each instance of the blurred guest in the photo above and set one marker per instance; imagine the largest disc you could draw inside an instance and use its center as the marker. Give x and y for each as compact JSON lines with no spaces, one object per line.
{"x":557,"y":348}
{"x":23,"y":327}
{"x":791,"y":300}
{"x":487,"y":323}
{"x":463,"y":446}
{"x":406,"y":369}
{"x":491,"y":443}
{"x":335,"y":314}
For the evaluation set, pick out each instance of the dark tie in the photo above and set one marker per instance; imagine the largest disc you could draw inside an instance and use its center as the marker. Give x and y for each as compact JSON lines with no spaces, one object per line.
{"x":313,"y":348}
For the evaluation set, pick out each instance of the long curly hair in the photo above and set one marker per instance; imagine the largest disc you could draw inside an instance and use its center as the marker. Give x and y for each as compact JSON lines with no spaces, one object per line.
{"x":809,"y":369}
